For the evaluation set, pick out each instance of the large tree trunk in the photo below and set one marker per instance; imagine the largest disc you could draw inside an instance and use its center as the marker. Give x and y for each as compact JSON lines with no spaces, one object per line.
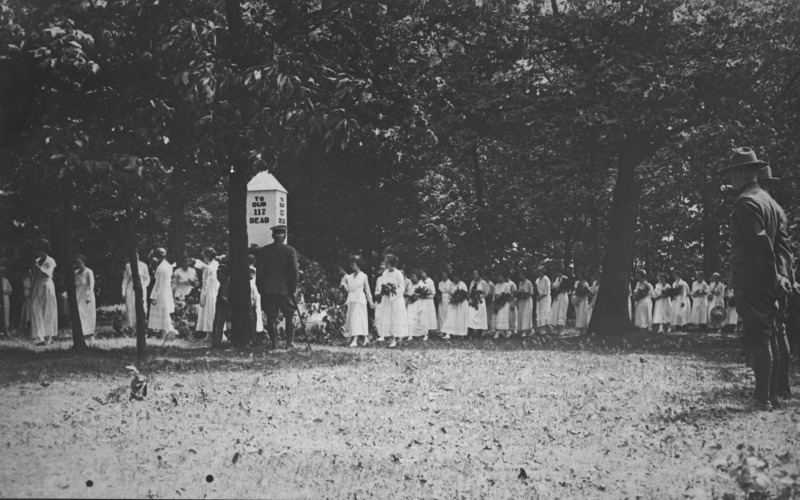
{"x":241,"y":326}
{"x":138,"y":291}
{"x":67,"y":187}
{"x":594,"y":235}
{"x":176,"y":239}
{"x":710,"y":232}
{"x":610,"y":314}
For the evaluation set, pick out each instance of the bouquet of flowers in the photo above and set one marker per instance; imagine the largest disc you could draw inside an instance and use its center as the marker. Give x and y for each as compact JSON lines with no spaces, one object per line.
{"x":458,"y":296}
{"x":554,"y":291}
{"x":699,"y":293}
{"x":475,"y":298}
{"x":640,"y":294}
{"x":388,"y":290}
{"x":501,"y":300}
{"x":583,"y":291}
{"x":422,"y":292}
{"x":671,"y":293}
{"x":522,"y":295}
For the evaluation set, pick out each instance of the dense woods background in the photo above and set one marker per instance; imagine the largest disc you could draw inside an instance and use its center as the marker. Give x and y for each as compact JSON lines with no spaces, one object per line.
{"x":455,"y":133}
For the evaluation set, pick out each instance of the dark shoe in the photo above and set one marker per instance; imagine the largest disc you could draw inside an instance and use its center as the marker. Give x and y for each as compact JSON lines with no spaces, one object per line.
{"x":758,"y":405}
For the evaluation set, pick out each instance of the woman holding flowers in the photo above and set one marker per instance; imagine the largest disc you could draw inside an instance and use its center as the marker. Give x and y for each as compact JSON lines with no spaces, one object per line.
{"x":580,"y":300}
{"x":455,"y":322}
{"x":543,"y":299}
{"x":477,"y":319}
{"x":700,"y":289}
{"x":394,"y":319}
{"x":733,"y":314}
{"x":558,"y":311}
{"x":358,"y":296}
{"x":446,"y":287}
{"x":208,"y":294}
{"x":416,"y":310}
{"x":379,"y":300}
{"x":512,"y":313}
{"x":680,"y":301}
{"x":524,"y":298}
{"x":643,"y":314}
{"x":716,"y":293}
{"x":502,"y":305}
{"x":428,"y":303}
{"x":662,"y":308}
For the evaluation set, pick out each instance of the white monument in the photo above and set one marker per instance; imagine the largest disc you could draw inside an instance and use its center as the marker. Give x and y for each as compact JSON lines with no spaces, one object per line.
{"x":266,"y":207}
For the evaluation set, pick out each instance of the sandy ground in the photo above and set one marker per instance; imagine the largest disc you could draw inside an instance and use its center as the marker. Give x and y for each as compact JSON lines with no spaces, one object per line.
{"x":558,"y":418}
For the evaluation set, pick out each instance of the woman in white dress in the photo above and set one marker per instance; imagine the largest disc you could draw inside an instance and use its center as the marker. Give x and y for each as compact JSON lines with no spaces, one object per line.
{"x":416,"y":310}
{"x":543,"y":301}
{"x":716,"y":295}
{"x":512,"y":313}
{"x":358,"y":297}
{"x":378,"y":304}
{"x":680,"y":304}
{"x":733,"y":314}
{"x":208,"y":294}
{"x":394,"y":319}
{"x":662,"y":307}
{"x":128,"y":294}
{"x":161,"y":301}
{"x":456,"y":318}
{"x":700,"y":289}
{"x":580,"y":300}
{"x":643,"y":293}
{"x":446,"y":287}
{"x":503,"y":312}
{"x":429,"y":303}
{"x":44,"y":308}
{"x":84,"y":289}
{"x":558,"y":311}
{"x":184,"y":279}
{"x":595,"y":288}
{"x":477,"y":319}
{"x":491,"y":316}
{"x":525,"y":305}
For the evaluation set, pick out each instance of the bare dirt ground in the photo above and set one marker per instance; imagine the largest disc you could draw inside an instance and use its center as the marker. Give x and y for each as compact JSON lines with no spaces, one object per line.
{"x":655,"y":416}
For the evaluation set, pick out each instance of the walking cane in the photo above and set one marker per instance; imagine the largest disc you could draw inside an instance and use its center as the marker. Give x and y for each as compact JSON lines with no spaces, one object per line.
{"x":302,"y":321}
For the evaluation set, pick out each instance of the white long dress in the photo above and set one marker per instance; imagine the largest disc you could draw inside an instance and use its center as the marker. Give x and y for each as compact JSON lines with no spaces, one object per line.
{"x":456,"y":320}
{"x":445,"y":289}
{"x":733,"y":314}
{"x":87,"y":307}
{"x":643,"y":315}
{"x":183,"y":281}
{"x":394,"y":319}
{"x":558,"y":311}
{"x":512,"y":311}
{"x":491,"y":315}
{"x":430,"y":304}
{"x":662,"y":306}
{"x":358,"y":296}
{"x":255,"y":298}
{"x":502,"y":315}
{"x":129,"y":295}
{"x":160,"y":318}
{"x":208,"y":298}
{"x":699,"y":314}
{"x":716,"y":297}
{"x":417,"y":312}
{"x":477,"y":318}
{"x":581,"y":306}
{"x":594,"y":289}
{"x":680,"y":304}
{"x":378,"y":305}
{"x":44,"y":308}
{"x":543,"y":301}
{"x":525,"y":307}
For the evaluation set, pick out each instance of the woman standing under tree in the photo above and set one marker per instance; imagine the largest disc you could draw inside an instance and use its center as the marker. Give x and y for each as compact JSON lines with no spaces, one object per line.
{"x":358,"y":297}
{"x":416,"y":310}
{"x":512,"y":313}
{"x":525,"y":304}
{"x":642,"y":295}
{"x":161,"y":302}
{"x":456,"y":319}
{"x":558,"y":311}
{"x":128,"y":294}
{"x":662,"y":308}
{"x":477,"y":320}
{"x":394,"y":320}
{"x":428,"y":303}
{"x":446,"y":287}
{"x":184,"y":278}
{"x":680,"y":304}
{"x":595,"y":288}
{"x":580,"y":300}
{"x":44,"y":308}
{"x":716,"y":294}
{"x":379,"y":300}
{"x":543,"y":301}
{"x":502,"y":303}
{"x":700,"y":289}
{"x":208,"y":295}
{"x":84,"y":290}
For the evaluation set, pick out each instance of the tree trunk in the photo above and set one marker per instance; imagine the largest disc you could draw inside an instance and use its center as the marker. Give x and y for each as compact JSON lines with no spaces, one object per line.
{"x":710,"y":232}
{"x":241,"y":326}
{"x":67,"y":187}
{"x":594,"y":232}
{"x":610,"y":314}
{"x":480,"y":201}
{"x":138,"y":291}
{"x":176,"y":239}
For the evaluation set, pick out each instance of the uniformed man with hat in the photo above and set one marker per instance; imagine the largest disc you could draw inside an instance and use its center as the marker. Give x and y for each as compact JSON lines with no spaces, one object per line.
{"x":276,"y":280}
{"x":760,"y":269}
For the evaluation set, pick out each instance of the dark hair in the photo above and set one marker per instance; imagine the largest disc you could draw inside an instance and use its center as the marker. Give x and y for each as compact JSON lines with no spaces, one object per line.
{"x":662,"y":275}
{"x":502,"y":274}
{"x":701,"y":274}
{"x":414,"y":272}
{"x":42,"y":244}
{"x":642,"y":273}
{"x":251,"y":259}
{"x":80,"y":257}
{"x":210,"y":253}
{"x":678,"y":272}
{"x":355,"y":259}
{"x":391,"y":259}
{"x":454,"y":274}
{"x":222,"y":268}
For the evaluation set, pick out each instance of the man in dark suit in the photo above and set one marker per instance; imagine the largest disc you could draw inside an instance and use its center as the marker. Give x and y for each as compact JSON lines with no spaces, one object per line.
{"x":276,"y":280}
{"x":760,"y":271}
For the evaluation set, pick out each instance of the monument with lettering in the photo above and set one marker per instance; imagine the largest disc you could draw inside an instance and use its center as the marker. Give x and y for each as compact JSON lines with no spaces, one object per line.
{"x":266,"y":207}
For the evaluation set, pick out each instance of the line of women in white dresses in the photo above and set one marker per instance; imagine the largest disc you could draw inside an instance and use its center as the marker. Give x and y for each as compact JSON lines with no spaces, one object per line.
{"x":677,"y":305}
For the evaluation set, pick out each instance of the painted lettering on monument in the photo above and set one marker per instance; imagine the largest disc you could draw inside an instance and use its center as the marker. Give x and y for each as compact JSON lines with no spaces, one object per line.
{"x":259,"y":211}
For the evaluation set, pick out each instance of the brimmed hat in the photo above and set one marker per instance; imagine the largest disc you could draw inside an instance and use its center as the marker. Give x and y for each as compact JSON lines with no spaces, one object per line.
{"x":765,"y":174}
{"x":743,"y":157}
{"x":279,"y":229}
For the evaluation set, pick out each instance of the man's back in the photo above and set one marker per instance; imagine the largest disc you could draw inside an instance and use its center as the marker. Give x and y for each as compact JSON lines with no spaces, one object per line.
{"x":277,"y":271}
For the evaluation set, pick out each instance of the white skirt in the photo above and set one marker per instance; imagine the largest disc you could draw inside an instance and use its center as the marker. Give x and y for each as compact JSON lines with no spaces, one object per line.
{"x":662,"y":311}
{"x":357,"y":322}
{"x":394,"y":319}
{"x":543,"y":306}
{"x":643,"y":316}
{"x":477,"y":318}
{"x":456,"y":320}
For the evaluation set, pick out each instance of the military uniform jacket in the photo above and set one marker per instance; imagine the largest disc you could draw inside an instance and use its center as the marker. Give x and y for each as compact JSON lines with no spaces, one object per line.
{"x":760,"y":252}
{"x":276,"y":270}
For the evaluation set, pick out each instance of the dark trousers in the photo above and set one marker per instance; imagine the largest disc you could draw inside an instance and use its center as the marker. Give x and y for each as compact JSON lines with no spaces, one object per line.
{"x":758,"y":309}
{"x":272,"y":305}
{"x":220,"y":318}
{"x":781,"y":326}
